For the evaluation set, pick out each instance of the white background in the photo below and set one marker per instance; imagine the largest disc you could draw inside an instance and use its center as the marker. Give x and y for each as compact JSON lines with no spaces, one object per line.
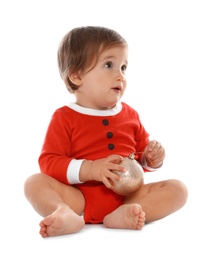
{"x":169,"y":80}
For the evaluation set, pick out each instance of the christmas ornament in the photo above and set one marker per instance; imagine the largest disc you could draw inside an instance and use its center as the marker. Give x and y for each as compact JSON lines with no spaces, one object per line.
{"x":131,"y":179}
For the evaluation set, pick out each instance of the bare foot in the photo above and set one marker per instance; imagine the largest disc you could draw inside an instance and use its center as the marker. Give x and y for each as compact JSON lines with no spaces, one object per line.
{"x":62,"y":221}
{"x":127,"y":216}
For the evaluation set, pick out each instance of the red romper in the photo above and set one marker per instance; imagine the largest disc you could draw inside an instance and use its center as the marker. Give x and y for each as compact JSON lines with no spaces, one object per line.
{"x":76,"y":133}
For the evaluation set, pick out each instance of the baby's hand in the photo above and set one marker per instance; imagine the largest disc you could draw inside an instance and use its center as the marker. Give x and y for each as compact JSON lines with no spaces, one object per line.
{"x":154,"y":154}
{"x":102,"y":169}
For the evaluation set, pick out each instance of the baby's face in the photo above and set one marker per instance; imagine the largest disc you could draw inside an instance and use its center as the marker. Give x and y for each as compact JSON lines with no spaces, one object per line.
{"x":103,"y":86}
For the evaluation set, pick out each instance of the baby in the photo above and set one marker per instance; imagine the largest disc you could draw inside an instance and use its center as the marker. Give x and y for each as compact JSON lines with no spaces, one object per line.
{"x":87,"y":139}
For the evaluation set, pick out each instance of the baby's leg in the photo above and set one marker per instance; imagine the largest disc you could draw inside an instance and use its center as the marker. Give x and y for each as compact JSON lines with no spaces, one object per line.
{"x":159,"y":199}
{"x":61,"y":205}
{"x":127,"y":216}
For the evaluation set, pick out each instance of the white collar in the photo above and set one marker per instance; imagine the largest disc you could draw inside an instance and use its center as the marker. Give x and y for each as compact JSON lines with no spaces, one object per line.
{"x":95,"y":112}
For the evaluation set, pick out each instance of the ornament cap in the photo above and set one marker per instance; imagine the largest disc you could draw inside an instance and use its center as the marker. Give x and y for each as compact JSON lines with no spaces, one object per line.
{"x":131,"y":156}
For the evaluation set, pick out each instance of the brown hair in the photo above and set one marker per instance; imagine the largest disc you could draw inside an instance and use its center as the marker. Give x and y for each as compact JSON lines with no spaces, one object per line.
{"x":81,"y":47}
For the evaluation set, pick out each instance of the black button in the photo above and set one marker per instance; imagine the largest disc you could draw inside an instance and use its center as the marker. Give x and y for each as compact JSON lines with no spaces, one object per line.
{"x":105,"y":122}
{"x":111,"y":146}
{"x":109,"y":135}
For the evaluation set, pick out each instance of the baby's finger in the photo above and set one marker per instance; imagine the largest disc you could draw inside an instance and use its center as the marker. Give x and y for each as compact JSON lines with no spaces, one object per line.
{"x":108,"y":182}
{"x":155,"y":149}
{"x":151,"y":145}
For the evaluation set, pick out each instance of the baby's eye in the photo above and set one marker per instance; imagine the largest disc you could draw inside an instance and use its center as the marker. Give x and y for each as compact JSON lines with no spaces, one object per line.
{"x":124,"y":68}
{"x":109,"y":65}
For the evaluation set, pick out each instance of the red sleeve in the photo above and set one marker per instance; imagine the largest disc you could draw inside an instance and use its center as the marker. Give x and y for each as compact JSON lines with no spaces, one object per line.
{"x":55,"y":155}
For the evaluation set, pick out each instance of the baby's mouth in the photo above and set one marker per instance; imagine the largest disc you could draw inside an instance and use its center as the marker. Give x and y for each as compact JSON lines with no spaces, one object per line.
{"x":117,"y":89}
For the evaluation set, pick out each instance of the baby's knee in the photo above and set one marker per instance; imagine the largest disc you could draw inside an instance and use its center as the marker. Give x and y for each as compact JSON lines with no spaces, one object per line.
{"x":180,"y":190}
{"x":30,"y":182}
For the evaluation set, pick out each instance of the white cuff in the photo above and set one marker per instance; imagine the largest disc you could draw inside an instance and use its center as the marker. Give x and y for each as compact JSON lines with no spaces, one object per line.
{"x":73,"y":170}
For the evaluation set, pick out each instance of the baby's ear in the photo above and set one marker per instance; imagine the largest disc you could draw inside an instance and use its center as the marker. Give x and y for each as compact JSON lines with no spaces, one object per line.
{"x":75,"y":78}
